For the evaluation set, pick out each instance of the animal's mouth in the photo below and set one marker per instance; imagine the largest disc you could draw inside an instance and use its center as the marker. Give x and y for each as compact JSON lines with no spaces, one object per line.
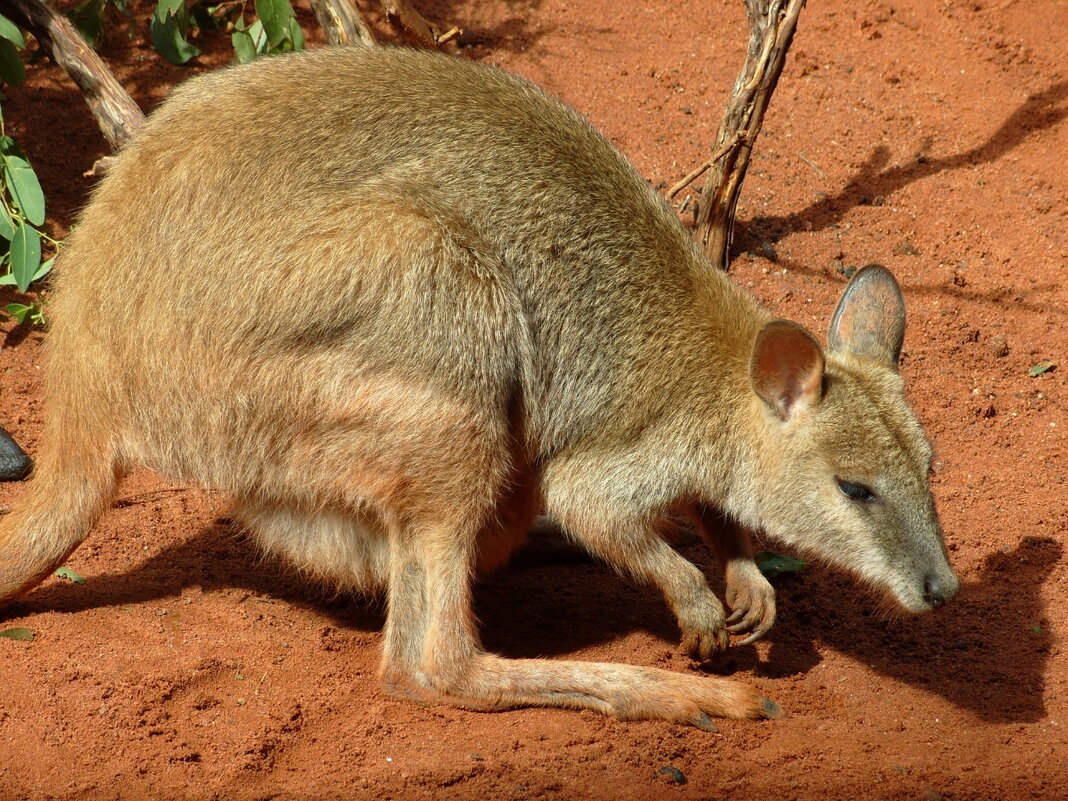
{"x":932,"y":592}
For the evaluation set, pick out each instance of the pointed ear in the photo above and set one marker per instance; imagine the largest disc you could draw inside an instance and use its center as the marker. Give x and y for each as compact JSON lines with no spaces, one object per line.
{"x":787,"y":368}
{"x":869,"y":322}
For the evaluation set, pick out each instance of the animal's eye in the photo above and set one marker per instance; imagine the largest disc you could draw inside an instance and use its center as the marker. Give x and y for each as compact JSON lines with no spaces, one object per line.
{"x":855,"y":492}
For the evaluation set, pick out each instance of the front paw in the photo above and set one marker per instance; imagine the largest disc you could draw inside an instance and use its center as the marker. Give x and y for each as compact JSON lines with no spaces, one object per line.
{"x":704,"y":629}
{"x":751,"y":599}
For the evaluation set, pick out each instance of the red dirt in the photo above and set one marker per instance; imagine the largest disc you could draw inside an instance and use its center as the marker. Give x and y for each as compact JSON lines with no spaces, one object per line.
{"x":930,"y":137}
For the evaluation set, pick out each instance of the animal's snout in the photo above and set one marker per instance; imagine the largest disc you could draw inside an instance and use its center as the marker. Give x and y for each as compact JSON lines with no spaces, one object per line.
{"x":932,"y":591}
{"x":936,"y":591}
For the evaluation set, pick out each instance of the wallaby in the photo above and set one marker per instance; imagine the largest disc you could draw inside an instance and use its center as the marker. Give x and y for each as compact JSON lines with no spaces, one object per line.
{"x":396,"y":303}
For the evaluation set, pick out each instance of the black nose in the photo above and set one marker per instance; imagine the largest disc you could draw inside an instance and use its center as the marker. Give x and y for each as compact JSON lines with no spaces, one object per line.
{"x":932,"y":592}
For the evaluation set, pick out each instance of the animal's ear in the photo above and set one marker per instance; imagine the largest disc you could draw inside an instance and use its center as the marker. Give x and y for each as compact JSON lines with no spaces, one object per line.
{"x":869,"y":322}
{"x":787,"y":368}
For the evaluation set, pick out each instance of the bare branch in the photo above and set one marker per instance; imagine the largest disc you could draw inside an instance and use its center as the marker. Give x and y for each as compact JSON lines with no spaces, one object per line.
{"x":116,"y":113}
{"x":771,"y":30}
{"x":342,"y":23}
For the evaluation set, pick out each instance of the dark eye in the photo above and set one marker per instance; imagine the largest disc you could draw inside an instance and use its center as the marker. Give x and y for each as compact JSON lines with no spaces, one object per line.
{"x":855,"y":492}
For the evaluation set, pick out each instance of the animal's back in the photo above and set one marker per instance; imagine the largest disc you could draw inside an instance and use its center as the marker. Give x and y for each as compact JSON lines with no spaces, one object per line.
{"x":282,"y":231}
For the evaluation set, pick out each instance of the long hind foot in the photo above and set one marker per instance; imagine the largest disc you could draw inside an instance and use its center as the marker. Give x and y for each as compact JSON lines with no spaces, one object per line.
{"x":627,"y":692}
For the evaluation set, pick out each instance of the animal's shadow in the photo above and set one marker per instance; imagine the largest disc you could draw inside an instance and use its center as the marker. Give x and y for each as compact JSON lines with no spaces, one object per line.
{"x":996,"y":629}
{"x":877,"y":178}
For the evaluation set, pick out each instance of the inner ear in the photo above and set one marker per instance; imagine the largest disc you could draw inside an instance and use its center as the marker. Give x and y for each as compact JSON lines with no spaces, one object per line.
{"x":787,"y":368}
{"x":869,"y":322}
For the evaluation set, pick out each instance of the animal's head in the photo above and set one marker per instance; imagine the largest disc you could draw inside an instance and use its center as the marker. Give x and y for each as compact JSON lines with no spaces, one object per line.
{"x":844,"y":463}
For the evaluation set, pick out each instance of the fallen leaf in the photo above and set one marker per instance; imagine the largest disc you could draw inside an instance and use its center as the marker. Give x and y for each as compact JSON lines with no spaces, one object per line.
{"x":67,"y":573}
{"x":773,"y":565}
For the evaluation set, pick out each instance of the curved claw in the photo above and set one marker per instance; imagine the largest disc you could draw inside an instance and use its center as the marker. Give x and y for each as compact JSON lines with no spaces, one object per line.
{"x":702,"y":646}
{"x":752,"y":601}
{"x":752,"y":617}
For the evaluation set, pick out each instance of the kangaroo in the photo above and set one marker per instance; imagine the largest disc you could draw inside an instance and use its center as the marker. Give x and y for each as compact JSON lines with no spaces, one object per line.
{"x":395,"y":304}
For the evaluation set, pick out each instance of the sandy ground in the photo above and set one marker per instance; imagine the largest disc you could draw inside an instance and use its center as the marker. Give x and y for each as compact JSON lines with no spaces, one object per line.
{"x":930,"y":137}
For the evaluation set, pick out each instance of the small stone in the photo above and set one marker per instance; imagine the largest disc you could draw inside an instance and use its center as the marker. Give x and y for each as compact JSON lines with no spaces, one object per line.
{"x":999,"y":346}
{"x":672,"y":774}
{"x":905,"y":248}
{"x":931,"y":794}
{"x":848,"y":272}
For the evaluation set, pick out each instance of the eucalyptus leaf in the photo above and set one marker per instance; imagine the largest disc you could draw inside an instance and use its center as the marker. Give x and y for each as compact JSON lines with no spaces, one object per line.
{"x":44,"y":269}
{"x":12,"y":70}
{"x":773,"y":565}
{"x":259,"y":37}
{"x":18,"y":311}
{"x":169,"y":8}
{"x":275,"y":16}
{"x":244,"y":47}
{"x":296,"y":34}
{"x":24,"y":187}
{"x":10,"y":31}
{"x":169,"y":38}
{"x":25,"y":255}
{"x":7,"y":225}
{"x":67,"y":573}
{"x":18,"y":633}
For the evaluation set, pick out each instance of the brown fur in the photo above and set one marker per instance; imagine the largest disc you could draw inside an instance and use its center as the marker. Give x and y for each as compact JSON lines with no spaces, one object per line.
{"x":395,"y":303}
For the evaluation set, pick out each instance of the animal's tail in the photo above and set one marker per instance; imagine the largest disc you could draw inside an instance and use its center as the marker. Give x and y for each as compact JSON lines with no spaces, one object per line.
{"x":73,"y":481}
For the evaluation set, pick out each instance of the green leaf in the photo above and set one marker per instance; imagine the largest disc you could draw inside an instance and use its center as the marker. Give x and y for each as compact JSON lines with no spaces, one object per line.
{"x":88,"y":17}
{"x":1037,"y":628}
{"x":10,"y":31}
{"x":67,"y":573}
{"x":296,"y":34}
{"x":18,"y":311}
{"x":20,"y":633}
{"x":7,"y":225}
{"x":1040,"y":368}
{"x":24,"y":187}
{"x":11,"y":69}
{"x":244,"y":47}
{"x":44,"y":269}
{"x":169,"y":8}
{"x":25,"y":255}
{"x":7,"y":280}
{"x":773,"y":565}
{"x":169,"y":38}
{"x":275,"y":16}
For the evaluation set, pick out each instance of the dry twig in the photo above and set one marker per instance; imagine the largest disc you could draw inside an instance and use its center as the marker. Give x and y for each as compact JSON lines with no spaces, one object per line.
{"x":771,"y":29}
{"x":118,"y":116}
{"x":342,"y":23}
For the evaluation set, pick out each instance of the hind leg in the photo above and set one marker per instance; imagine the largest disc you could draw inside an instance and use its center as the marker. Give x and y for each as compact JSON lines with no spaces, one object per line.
{"x":432,"y":652}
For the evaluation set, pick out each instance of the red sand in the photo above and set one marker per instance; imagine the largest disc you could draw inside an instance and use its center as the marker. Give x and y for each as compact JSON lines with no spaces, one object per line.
{"x":930,"y":137}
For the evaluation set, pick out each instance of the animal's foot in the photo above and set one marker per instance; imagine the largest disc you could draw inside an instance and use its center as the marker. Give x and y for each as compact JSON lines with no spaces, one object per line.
{"x":751,"y":599}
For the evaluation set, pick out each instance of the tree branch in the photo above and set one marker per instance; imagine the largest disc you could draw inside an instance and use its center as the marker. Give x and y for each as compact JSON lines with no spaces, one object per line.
{"x":118,"y":116}
{"x":771,"y":30}
{"x":342,"y":23}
